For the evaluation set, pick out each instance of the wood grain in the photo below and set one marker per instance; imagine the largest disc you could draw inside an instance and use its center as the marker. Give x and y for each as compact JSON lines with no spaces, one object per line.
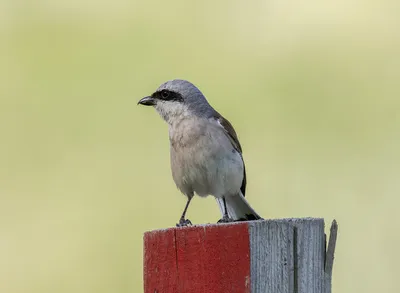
{"x":160,"y":267}
{"x":271,"y":246}
{"x":206,"y":259}
{"x":309,"y":255}
{"x":214,"y":258}
{"x":268,"y":256}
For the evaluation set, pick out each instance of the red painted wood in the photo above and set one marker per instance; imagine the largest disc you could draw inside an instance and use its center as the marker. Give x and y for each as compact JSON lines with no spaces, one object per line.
{"x":159,"y":267}
{"x":206,"y":259}
{"x":214,"y":259}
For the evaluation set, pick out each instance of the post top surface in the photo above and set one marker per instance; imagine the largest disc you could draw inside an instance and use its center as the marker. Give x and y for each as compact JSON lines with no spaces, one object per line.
{"x":267,"y":221}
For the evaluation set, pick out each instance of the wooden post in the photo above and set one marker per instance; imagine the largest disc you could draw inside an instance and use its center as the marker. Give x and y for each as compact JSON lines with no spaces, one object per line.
{"x":268,"y":256}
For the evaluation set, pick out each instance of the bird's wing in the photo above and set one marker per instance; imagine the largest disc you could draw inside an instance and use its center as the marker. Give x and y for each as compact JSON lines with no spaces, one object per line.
{"x":231,"y":134}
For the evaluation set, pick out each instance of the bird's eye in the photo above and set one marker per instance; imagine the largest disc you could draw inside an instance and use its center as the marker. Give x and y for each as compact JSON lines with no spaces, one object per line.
{"x":165,"y":94}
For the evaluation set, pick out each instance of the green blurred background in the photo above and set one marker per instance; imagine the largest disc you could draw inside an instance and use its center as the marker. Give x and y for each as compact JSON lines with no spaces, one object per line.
{"x":311,"y":87}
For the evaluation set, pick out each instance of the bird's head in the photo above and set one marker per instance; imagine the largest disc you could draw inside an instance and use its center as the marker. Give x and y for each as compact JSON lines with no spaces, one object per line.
{"x":177,"y":99}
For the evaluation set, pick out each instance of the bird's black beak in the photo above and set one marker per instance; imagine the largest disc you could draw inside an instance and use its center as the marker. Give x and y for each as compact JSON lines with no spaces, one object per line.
{"x":147,"y":101}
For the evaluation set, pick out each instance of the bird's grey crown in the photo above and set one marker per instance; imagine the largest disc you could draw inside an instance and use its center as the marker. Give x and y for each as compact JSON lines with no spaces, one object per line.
{"x":192,"y":96}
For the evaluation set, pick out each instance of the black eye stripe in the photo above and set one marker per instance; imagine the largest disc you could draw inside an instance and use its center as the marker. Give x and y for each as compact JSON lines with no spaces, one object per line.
{"x":167,"y":95}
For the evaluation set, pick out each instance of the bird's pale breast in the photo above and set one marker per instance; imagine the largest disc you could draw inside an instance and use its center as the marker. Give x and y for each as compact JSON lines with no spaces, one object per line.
{"x":203,"y":159}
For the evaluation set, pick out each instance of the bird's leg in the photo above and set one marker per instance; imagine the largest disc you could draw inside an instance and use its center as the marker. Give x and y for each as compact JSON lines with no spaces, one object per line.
{"x":182,"y":221}
{"x":225,"y":218}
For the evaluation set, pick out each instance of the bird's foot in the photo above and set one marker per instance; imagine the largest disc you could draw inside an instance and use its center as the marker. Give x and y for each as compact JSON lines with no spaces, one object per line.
{"x":226,"y":219}
{"x":184,"y":223}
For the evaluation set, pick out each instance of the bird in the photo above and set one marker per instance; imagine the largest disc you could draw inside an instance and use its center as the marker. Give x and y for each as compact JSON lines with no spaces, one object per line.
{"x":205,"y":152}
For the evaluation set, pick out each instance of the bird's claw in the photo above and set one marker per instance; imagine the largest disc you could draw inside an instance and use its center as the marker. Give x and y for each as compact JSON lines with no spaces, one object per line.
{"x":226,"y":219}
{"x":184,"y":223}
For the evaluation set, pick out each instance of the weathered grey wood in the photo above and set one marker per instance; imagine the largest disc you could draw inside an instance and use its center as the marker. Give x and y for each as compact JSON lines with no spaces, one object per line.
{"x":267,"y":256}
{"x":271,"y":248}
{"x":309,"y":255}
{"x":288,"y":256}
{"x":330,"y":256}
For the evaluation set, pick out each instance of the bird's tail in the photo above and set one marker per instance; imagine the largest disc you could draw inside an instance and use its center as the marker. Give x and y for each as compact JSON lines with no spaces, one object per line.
{"x":238,"y":208}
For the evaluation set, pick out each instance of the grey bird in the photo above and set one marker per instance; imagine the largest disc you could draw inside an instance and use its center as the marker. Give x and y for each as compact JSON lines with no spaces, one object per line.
{"x":206,"y":156}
